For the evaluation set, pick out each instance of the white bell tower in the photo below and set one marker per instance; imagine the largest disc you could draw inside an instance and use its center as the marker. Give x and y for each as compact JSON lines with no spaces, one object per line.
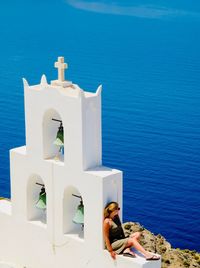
{"x":39,"y":238}
{"x":80,"y":113}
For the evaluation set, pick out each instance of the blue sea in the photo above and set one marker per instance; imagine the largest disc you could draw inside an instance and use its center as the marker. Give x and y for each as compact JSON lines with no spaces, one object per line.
{"x":146,"y":54}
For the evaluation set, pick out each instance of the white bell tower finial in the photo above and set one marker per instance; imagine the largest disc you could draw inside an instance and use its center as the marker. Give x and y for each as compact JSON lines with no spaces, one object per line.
{"x":61,"y":65}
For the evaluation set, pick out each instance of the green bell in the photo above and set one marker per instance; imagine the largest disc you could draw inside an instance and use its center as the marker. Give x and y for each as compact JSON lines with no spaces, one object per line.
{"x":79,"y":216}
{"x":60,"y":134}
{"x":41,"y":203}
{"x":58,"y":142}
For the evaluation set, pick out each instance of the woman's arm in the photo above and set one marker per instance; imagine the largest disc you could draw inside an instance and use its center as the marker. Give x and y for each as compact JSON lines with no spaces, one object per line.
{"x":106,"y":227}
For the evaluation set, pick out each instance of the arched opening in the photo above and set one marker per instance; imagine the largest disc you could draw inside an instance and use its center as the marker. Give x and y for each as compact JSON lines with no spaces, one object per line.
{"x":36,"y":200}
{"x":53,"y":136}
{"x":73,"y":212}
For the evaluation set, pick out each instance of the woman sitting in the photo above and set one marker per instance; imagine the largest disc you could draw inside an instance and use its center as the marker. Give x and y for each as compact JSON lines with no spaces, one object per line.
{"x":115,"y":240}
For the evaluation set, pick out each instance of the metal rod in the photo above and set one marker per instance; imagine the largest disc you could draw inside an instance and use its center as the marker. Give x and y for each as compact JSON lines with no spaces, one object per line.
{"x":77,"y":196}
{"x":57,"y":120}
{"x":39,"y":184}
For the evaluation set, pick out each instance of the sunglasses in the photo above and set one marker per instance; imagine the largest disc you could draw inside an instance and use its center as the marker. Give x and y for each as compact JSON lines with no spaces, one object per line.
{"x":115,"y":210}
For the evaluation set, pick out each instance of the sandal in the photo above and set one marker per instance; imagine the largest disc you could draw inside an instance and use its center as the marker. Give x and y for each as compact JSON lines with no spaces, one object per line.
{"x":127,"y":254}
{"x":153,"y":258}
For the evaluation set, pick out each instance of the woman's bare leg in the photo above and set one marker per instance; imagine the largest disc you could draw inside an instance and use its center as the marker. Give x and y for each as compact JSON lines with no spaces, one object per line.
{"x":136,"y":235}
{"x":132,"y":242}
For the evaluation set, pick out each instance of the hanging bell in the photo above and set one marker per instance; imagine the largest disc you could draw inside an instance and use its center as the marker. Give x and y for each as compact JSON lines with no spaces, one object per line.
{"x":41,"y":203}
{"x":79,"y":216}
{"x":60,"y":136}
{"x":60,"y":133}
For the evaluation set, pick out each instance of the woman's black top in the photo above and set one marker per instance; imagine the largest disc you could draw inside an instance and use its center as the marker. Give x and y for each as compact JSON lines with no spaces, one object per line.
{"x":116,"y":231}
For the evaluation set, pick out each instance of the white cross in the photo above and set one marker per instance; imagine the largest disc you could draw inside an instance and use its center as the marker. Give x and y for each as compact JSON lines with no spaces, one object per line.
{"x":61,"y":68}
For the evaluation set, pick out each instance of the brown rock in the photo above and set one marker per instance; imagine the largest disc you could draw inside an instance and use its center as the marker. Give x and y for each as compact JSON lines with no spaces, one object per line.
{"x":171,"y":258}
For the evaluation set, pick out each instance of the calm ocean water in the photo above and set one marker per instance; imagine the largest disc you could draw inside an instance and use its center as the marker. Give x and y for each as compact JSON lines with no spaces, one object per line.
{"x":147,"y":57}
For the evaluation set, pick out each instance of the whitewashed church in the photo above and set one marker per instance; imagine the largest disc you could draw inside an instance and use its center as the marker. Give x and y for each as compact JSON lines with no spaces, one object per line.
{"x":57,"y":171}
